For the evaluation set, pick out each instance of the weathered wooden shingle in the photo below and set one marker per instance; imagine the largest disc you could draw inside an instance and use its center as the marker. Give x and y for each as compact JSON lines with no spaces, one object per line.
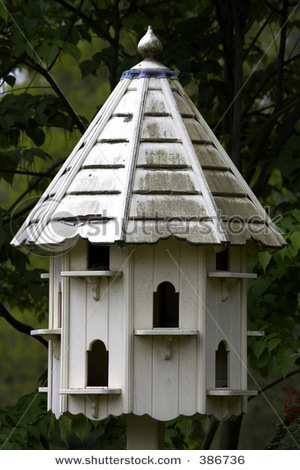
{"x":148,"y":167}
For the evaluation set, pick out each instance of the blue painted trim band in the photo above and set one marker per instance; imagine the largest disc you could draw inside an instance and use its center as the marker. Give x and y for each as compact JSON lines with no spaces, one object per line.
{"x":149,"y":74}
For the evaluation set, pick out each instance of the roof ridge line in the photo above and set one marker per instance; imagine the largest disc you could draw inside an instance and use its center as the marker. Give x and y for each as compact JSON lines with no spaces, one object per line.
{"x":135,"y":142}
{"x":186,"y":140}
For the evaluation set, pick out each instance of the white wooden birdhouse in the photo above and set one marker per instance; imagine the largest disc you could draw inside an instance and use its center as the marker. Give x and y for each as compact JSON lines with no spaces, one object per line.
{"x":147,"y":224}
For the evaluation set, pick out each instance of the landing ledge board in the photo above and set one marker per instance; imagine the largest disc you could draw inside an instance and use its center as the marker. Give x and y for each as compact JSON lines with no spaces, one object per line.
{"x":90,"y":391}
{"x":229,"y":274}
{"x":91,"y":273}
{"x":46,"y":332}
{"x":255,"y":333}
{"x":166,"y":332}
{"x":228,"y":392}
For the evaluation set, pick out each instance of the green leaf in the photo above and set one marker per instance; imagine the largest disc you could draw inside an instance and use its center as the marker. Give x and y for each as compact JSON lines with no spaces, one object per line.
{"x":264,"y":259}
{"x":73,"y":50}
{"x":81,"y":427}
{"x":36,"y":134}
{"x":65,"y":429}
{"x":273,"y":343}
{"x":296,"y":214}
{"x":10,"y":80}
{"x":258,"y":348}
{"x":260,"y":285}
{"x":3,"y":11}
{"x":88,"y":67}
{"x":286,"y":359}
{"x":295,"y":239}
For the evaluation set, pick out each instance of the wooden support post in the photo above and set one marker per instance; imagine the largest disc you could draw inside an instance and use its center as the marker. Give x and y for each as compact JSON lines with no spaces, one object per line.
{"x":144,"y":432}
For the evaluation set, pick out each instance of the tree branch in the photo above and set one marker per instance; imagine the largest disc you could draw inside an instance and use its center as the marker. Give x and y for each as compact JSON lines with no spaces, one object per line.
{"x":19,"y":326}
{"x":24,"y":172}
{"x":93,"y":24}
{"x":30,"y":187}
{"x":235,"y":144}
{"x":266,"y":22}
{"x":115,"y":47}
{"x":272,"y":384}
{"x":8,"y":69}
{"x":44,"y":72}
{"x":254,"y":15}
{"x":280,"y":63}
{"x":278,"y":145}
{"x":269,"y":124}
{"x":261,"y":138}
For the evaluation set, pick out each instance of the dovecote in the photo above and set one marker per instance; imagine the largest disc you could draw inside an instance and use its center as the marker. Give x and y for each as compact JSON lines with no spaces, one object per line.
{"x":147,"y":225}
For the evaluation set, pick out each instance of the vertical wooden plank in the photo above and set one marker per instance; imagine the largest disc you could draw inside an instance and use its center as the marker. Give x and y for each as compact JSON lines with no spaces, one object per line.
{"x":188,"y":319}
{"x":79,"y":253}
{"x":77,"y":342}
{"x":166,"y":263}
{"x":142,"y":318}
{"x":201,"y":340}
{"x":50,"y":403}
{"x":54,"y":380}
{"x":234,"y":302}
{"x":127,"y":331}
{"x":243,"y":310}
{"x":65,"y":317}
{"x":55,"y":383}
{"x":97,"y":314}
{"x":52,"y":281}
{"x":165,"y":399}
{"x":235,"y":346}
{"x":115,"y":332}
{"x":188,"y":286}
{"x":77,"y":346}
{"x":143,"y":287}
{"x":210,"y":320}
{"x":116,"y":343}
{"x":142,"y":375}
{"x":188,"y":375}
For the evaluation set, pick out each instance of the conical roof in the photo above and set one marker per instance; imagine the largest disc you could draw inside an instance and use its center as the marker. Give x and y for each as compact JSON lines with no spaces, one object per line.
{"x":147,"y":168}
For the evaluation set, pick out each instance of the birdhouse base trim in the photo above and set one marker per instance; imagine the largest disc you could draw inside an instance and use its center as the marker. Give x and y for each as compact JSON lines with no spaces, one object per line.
{"x":228,"y":392}
{"x":90,"y":391}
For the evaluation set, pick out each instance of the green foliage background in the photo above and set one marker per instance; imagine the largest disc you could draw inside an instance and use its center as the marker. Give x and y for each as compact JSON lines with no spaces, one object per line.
{"x":239,"y":62}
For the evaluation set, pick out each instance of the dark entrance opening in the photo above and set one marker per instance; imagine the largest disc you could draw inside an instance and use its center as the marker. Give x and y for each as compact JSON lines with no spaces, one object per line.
{"x":222,"y":260}
{"x":221,"y":366}
{"x":97,"y":375}
{"x":165,"y":306}
{"x":98,"y":257}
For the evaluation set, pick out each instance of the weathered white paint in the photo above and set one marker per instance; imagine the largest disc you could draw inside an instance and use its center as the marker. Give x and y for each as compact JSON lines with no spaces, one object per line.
{"x":148,"y":154}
